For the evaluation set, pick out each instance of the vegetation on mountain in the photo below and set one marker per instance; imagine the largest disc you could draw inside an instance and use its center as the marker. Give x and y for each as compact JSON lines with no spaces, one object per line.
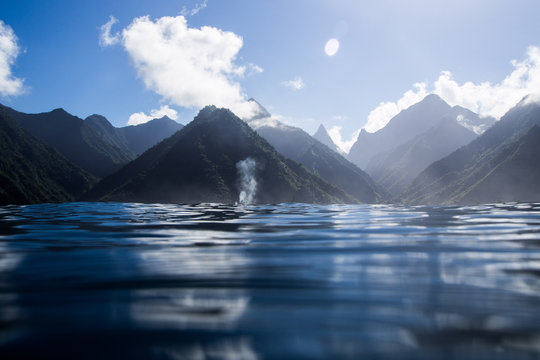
{"x":32,"y":172}
{"x":199,"y":164}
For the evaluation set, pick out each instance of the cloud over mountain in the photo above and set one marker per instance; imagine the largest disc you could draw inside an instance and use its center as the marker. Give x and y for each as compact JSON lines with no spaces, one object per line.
{"x":343,"y":144}
{"x":381,"y":115}
{"x":141,"y":118}
{"x":9,"y":50}
{"x":485,"y":98}
{"x":188,"y":67}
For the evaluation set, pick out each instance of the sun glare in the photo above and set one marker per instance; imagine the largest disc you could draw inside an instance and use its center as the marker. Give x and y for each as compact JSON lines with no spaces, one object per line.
{"x":331,"y":48}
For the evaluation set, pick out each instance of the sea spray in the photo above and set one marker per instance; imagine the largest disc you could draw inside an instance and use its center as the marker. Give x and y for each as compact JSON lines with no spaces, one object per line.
{"x":247,"y":182}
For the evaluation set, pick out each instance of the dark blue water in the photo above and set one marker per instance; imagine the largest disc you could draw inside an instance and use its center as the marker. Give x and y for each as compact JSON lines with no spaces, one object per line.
{"x":294,"y":281}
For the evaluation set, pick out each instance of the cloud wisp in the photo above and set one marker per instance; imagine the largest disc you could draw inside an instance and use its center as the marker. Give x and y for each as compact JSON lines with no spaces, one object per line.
{"x":187,"y":67}
{"x":105,"y":36}
{"x":141,"y":118}
{"x":295,"y":84}
{"x":345,"y":145}
{"x":9,"y":51}
{"x":195,"y":10}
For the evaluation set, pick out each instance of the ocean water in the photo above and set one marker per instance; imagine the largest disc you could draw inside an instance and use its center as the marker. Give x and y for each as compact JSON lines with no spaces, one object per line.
{"x":291,"y":281}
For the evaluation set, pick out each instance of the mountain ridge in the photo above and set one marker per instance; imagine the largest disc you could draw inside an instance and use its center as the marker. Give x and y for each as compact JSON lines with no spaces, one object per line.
{"x":72,"y":138}
{"x":199,"y":163}
{"x":33,"y":172}
{"x":409,"y":123}
{"x":298,"y":145}
{"x":322,"y":135}
{"x":452,"y":179}
{"x":395,"y":169}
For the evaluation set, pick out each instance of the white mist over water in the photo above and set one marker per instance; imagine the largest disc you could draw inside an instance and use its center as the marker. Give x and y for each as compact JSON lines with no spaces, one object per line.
{"x":247,"y":182}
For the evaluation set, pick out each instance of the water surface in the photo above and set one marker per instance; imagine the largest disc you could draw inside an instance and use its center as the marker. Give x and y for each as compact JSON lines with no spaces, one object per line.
{"x":94,"y":280}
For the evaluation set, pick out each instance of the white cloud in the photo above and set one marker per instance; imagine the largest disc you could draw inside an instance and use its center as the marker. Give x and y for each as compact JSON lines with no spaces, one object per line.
{"x":141,"y":118}
{"x":295,"y":84}
{"x":343,"y":144}
{"x":195,"y":10}
{"x":9,"y":50}
{"x":187,"y":66}
{"x":105,"y":37}
{"x":254,"y":69}
{"x":489,"y":99}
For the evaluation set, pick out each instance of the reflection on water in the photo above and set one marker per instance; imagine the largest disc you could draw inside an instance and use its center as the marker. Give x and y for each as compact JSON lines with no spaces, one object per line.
{"x":88,"y":280}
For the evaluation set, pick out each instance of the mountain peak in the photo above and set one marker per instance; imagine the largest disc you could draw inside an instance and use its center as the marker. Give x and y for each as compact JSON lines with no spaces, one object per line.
{"x":200,"y":164}
{"x":321,"y":129}
{"x":260,"y":111}
{"x":210,"y":112}
{"x":98,"y":119}
{"x":323,"y":136}
{"x":60,"y":111}
{"x":433,"y":98}
{"x":163,"y":119}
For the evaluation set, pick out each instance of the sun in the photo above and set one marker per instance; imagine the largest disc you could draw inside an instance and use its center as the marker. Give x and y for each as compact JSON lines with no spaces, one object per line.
{"x":332,"y":46}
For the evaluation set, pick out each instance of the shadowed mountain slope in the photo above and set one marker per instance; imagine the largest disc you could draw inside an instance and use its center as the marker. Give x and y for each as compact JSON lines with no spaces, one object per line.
{"x":408,"y":124}
{"x":299,"y":146}
{"x":397,"y":168}
{"x":72,"y":138}
{"x":134,"y":139}
{"x":199,"y":164}
{"x":32,"y":172}
{"x":500,"y":165}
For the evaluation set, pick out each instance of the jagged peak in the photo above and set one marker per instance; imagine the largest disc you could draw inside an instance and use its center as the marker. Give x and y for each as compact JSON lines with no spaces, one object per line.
{"x":322,"y":128}
{"x":260,"y":111}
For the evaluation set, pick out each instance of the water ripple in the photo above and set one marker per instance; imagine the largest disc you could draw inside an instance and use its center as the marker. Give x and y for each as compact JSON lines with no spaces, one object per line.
{"x":274,"y":281}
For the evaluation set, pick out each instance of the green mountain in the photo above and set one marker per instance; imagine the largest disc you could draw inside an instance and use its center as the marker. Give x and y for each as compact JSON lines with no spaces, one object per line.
{"x":500,"y":165}
{"x":134,"y":139}
{"x":397,"y":168}
{"x":203,"y":163}
{"x":32,"y":172}
{"x":299,"y":146}
{"x":74,"y":139}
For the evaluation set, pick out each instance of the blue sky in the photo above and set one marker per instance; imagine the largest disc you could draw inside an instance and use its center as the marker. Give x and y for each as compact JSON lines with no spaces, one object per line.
{"x":461,"y":49}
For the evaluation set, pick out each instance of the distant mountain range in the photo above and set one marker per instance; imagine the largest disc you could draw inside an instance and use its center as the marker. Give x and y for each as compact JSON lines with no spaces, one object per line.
{"x":500,"y":165}
{"x":324,"y":138}
{"x":71,"y":137}
{"x":134,"y":139}
{"x":93,"y":144}
{"x":396,"y":169}
{"x":430,"y":153}
{"x":201,"y":164}
{"x":298,"y":145}
{"x":32,"y":172}
{"x":408,"y":124}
